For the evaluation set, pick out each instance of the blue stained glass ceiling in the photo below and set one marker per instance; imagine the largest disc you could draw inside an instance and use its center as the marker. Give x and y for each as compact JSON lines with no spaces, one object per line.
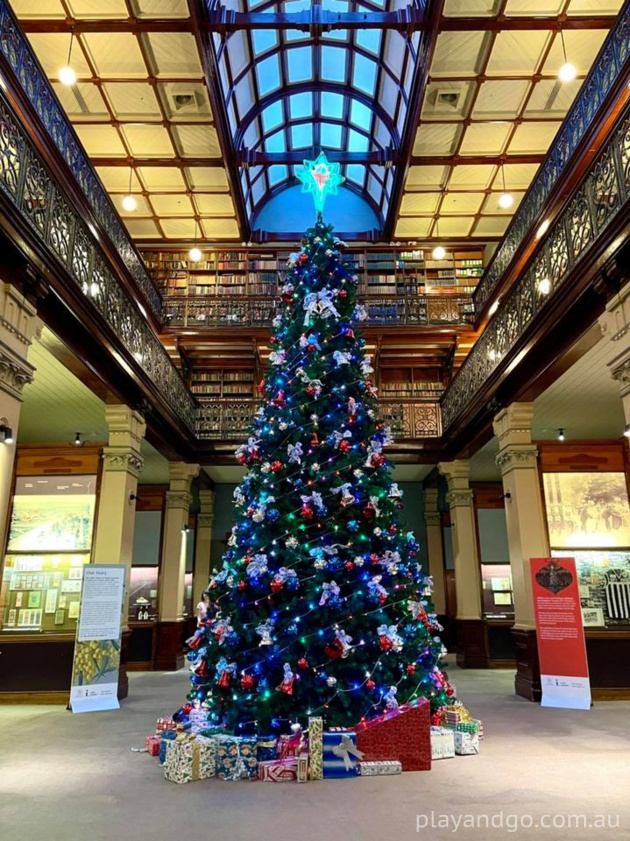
{"x":287,"y":91}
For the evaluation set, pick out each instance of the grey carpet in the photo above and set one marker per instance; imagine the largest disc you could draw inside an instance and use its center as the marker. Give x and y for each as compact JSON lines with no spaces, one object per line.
{"x":66,"y":777}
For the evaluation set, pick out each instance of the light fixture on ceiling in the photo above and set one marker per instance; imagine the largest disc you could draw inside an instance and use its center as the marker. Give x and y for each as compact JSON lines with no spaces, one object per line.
{"x":78,"y":441}
{"x":506,"y":200}
{"x":195,"y":252}
{"x":7,"y":433}
{"x":561,"y":435}
{"x":67,"y":75}
{"x":567,"y":72}
{"x":544,"y":286}
{"x":129,"y":202}
{"x":626,"y":431}
{"x":439,"y":252}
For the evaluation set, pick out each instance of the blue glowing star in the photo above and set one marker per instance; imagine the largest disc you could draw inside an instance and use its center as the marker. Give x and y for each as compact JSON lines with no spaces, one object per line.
{"x":320,"y":177}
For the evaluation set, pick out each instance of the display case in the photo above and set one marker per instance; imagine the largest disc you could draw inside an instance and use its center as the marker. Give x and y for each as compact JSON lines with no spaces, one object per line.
{"x":497,"y":593}
{"x":143,"y":594}
{"x":50,"y":541}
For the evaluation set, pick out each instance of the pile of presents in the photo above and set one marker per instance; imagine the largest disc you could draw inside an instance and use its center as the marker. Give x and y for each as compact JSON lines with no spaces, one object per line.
{"x":400,"y":740}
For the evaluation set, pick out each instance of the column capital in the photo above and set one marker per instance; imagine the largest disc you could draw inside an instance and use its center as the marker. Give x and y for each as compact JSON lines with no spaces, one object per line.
{"x":15,"y":372}
{"x":620,"y":372}
{"x":126,"y":426}
{"x":206,"y":501}
{"x":513,"y":425}
{"x":180,"y":471}
{"x":180,"y":500}
{"x":517,"y":457}
{"x":615,"y":320}
{"x":431,"y":499}
{"x":460,"y":498}
{"x":459,"y":469}
{"x":432,"y":518}
{"x":122,"y":459}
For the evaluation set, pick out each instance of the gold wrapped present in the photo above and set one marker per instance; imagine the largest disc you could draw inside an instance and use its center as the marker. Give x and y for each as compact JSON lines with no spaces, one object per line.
{"x":189,"y":758}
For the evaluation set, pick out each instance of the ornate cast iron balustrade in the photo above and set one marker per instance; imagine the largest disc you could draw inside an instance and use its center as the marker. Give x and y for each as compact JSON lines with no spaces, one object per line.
{"x":611,"y":63}
{"x":229,"y":420}
{"x":228,"y":311}
{"x":602,"y":195}
{"x":17,"y":51}
{"x":28,"y":184}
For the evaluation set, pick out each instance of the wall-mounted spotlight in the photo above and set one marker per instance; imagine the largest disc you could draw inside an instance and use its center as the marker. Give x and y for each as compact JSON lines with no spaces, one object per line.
{"x":561,"y":435}
{"x":7,"y":434}
{"x":77,"y":440}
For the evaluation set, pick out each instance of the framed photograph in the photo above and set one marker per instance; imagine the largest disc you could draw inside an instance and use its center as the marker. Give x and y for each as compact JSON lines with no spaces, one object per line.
{"x":63,"y":601}
{"x":50,"y":605}
{"x":592,"y":617}
{"x":19,"y":597}
{"x":60,"y":617}
{"x":35,"y":598}
{"x":12,"y":618}
{"x":587,"y":510}
{"x":73,"y":610}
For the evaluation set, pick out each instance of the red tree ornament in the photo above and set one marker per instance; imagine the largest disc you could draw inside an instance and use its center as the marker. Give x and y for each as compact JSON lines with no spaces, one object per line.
{"x":345,"y":446}
{"x":276,"y":466}
{"x":247,"y":682}
{"x":307,"y":512}
{"x":302,"y":663}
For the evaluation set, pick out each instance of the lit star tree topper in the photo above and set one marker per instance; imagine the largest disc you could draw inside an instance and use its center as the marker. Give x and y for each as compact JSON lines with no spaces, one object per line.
{"x":321,"y":178}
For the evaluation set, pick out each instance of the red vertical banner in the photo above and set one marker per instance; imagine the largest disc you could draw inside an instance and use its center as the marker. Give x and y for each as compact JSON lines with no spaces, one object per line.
{"x":560,"y":634}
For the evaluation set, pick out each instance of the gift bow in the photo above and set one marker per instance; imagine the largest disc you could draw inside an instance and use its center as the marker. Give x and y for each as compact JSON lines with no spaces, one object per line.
{"x":320,"y":302}
{"x":295,"y":452}
{"x":345,"y":749}
{"x":342,"y":357}
{"x":328,"y":590}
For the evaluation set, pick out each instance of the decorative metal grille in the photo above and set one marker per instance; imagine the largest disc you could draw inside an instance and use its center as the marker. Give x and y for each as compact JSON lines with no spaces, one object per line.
{"x":610,"y":64}
{"x":19,"y":54}
{"x":601,"y":197}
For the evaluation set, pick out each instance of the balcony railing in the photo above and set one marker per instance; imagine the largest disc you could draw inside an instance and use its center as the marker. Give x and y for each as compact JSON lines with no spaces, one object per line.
{"x":610,"y":64}
{"x":35,"y":196}
{"x":229,"y":420}
{"x":601,"y":197}
{"x":233,"y":311}
{"x":17,"y":51}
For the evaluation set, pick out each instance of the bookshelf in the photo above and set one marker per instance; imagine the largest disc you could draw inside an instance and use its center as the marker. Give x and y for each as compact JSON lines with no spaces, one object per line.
{"x":383,"y":273}
{"x":410,"y":383}
{"x":219,"y":383}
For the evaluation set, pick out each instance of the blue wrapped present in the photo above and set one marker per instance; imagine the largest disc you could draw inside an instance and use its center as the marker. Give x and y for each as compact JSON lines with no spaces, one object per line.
{"x":341,"y":755}
{"x":236,"y":757}
{"x":267,"y":748}
{"x":167,"y":736}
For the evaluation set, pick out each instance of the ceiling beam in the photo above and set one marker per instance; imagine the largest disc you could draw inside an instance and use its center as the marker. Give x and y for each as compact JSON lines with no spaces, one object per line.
{"x":419,"y":82}
{"x":501,"y":23}
{"x":316,"y":20}
{"x":137,"y":26}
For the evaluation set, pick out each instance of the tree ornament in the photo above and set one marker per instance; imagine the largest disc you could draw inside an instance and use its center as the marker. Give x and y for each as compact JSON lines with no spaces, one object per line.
{"x":411,"y":669}
{"x":345,"y":446}
{"x":331,"y":681}
{"x":307,"y":512}
{"x":247,"y":682}
{"x":288,"y":680}
{"x":302,"y":663}
{"x":369,"y":684}
{"x":276,"y":466}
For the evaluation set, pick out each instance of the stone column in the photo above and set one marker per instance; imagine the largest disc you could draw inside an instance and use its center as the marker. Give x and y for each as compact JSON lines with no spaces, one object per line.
{"x":526,"y":530}
{"x":435,"y":549}
{"x":472,"y":649}
{"x":18,"y":324}
{"x":615,"y":326}
{"x":170,"y":629}
{"x":203,"y":542}
{"x":122,"y":464}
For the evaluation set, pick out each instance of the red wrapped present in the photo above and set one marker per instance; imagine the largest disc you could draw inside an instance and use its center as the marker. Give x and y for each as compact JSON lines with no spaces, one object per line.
{"x":164,"y":724}
{"x":152,"y":744}
{"x":291,"y":745}
{"x":403,"y":734}
{"x":278,"y":770}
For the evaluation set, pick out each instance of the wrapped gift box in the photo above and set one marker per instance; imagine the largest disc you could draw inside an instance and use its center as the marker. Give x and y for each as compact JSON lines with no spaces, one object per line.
{"x":315,"y":748}
{"x":442,"y":743}
{"x":164,"y":724}
{"x":279,"y":770}
{"x":266,"y":748}
{"x":152,"y":744}
{"x":380,"y":769}
{"x":480,"y":723}
{"x":340,"y":754}
{"x":466,"y":726}
{"x":236,"y":757}
{"x":166,"y":736}
{"x":302,"y":767}
{"x":466,"y":744}
{"x":291,"y":745}
{"x":402,"y":734}
{"x":189,"y":758}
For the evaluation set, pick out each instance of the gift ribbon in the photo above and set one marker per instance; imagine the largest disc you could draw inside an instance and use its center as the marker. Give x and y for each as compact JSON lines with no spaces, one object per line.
{"x":196,"y":760}
{"x":345,"y":749}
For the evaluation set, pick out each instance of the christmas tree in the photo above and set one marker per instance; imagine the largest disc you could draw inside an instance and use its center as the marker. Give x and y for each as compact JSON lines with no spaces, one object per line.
{"x":321,"y":606}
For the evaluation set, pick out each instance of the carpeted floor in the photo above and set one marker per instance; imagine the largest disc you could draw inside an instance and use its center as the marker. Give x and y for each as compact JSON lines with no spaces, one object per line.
{"x":65,"y":777}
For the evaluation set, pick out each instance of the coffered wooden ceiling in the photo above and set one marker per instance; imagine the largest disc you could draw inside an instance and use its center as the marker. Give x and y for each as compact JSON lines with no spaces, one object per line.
{"x":142,"y":110}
